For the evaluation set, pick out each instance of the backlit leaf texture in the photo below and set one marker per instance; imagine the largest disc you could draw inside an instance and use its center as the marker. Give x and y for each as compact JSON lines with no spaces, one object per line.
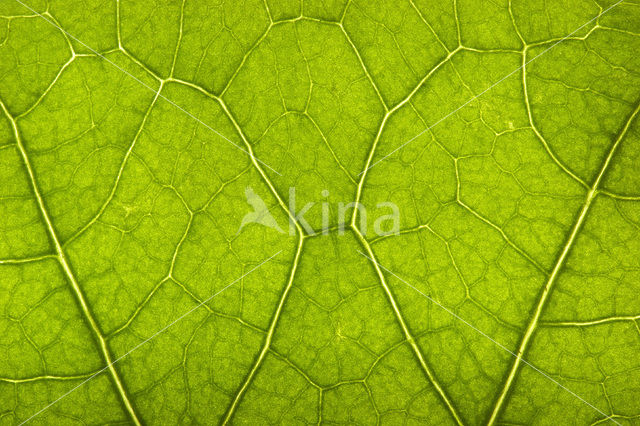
{"x":507,"y":133}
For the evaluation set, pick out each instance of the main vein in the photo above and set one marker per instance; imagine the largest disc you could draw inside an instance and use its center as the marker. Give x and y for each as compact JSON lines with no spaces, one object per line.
{"x":283,"y":297}
{"x":62,"y":259}
{"x":407,"y":333}
{"x":267,"y":343}
{"x":391,"y":299}
{"x":562,"y":257}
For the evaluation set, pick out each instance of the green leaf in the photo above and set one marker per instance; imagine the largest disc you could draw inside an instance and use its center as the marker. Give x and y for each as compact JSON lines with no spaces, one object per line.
{"x":155,"y":267}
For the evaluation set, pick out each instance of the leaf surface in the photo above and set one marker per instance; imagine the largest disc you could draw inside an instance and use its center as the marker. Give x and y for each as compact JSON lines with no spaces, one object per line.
{"x":135,"y":136}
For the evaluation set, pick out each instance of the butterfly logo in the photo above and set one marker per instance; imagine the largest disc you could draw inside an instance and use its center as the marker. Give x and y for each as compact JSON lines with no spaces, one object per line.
{"x":260,"y":213}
